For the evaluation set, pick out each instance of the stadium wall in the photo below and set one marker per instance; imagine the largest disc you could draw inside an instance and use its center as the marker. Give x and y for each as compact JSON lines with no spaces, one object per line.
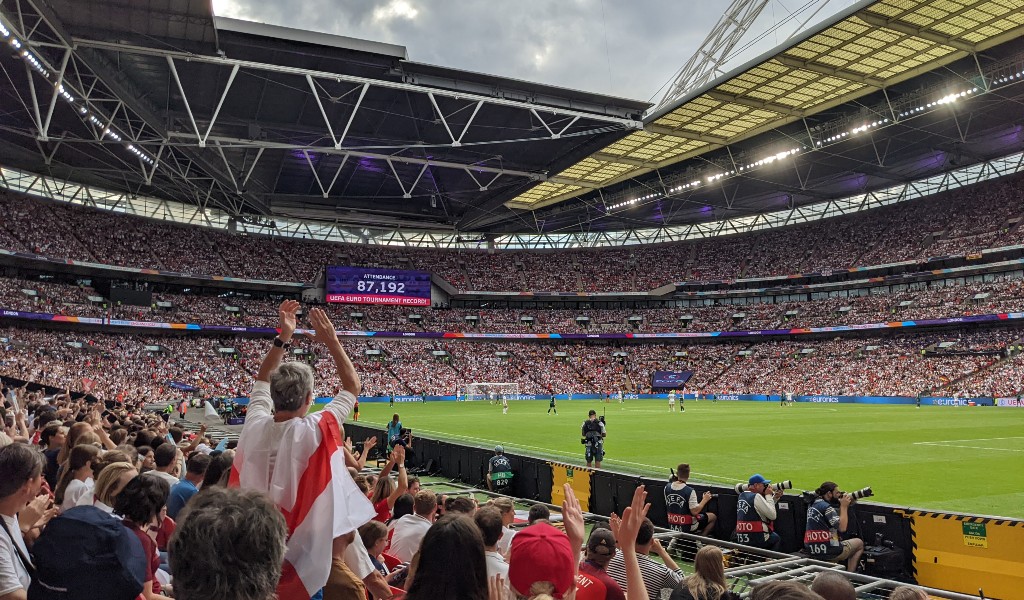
{"x":951,"y":551}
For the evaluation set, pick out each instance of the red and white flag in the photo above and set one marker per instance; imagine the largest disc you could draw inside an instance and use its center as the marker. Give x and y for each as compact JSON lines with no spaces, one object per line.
{"x":308,"y":481}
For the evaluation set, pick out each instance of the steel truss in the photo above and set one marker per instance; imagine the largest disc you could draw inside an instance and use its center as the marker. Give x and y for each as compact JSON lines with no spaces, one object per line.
{"x":142,"y":205}
{"x":174,"y":162}
{"x":134,"y":146}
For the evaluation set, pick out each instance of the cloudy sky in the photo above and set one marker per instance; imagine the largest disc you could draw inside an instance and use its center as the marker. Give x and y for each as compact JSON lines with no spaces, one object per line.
{"x":628,"y":49}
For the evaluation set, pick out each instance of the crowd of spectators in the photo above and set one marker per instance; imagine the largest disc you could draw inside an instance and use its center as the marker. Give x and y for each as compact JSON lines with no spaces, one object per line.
{"x":1000,"y":295}
{"x":108,"y":500}
{"x":144,"y":367}
{"x":962,"y":221}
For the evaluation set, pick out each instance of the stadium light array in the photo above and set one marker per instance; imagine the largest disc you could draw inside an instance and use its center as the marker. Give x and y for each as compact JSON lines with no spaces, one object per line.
{"x":708,"y":180}
{"x":83,"y":110}
{"x":854,"y":131}
{"x":632,"y":201}
{"x":768,"y":159}
{"x":947,"y":99}
{"x":1008,"y":78}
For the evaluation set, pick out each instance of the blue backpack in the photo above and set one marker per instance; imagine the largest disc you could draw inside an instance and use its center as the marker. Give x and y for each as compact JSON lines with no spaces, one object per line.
{"x":86,"y":554}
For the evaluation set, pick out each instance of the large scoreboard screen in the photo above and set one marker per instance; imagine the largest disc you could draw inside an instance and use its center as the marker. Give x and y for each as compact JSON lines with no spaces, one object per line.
{"x":673,"y":380}
{"x":364,"y":285}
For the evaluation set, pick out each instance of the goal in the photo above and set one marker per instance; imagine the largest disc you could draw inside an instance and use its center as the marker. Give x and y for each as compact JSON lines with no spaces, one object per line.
{"x":493,"y":392}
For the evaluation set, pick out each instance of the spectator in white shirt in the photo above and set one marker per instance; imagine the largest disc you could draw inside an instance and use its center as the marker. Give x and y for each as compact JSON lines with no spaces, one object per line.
{"x":508,"y":516}
{"x":410,"y":529}
{"x":488,"y":520}
{"x":21,"y":511}
{"x":77,"y":478}
{"x":166,"y":459}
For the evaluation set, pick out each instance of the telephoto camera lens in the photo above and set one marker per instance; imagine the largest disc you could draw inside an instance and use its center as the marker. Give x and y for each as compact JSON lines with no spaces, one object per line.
{"x":863,"y":493}
{"x":782,"y":485}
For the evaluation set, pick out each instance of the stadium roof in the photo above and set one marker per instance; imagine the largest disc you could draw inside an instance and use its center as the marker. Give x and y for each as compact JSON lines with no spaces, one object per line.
{"x":869,"y":47}
{"x":260,"y":122}
{"x":264,"y":121}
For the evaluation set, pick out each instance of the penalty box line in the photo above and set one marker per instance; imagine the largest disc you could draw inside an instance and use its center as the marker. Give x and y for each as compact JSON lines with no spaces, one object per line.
{"x":951,"y":444}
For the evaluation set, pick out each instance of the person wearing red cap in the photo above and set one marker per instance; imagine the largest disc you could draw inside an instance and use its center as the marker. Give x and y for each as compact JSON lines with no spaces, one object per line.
{"x":542,"y":561}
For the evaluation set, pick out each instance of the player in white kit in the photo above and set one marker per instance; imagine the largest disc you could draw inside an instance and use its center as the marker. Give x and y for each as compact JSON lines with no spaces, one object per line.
{"x":671,"y":401}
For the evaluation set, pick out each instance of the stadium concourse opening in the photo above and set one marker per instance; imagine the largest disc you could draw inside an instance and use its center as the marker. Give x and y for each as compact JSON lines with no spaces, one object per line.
{"x":247,"y":269}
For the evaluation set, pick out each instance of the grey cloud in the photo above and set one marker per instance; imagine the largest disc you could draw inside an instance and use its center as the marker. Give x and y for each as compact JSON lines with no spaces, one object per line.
{"x":647,"y":40}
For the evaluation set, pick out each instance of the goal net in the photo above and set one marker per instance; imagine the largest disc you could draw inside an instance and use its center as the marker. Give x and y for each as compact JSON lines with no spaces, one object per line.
{"x":493,"y":392}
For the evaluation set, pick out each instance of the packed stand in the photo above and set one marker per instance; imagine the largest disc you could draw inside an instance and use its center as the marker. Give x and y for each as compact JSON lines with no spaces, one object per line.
{"x":961,"y":221}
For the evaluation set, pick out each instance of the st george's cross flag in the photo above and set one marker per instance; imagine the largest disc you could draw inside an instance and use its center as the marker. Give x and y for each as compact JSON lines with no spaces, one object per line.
{"x":300,"y":464}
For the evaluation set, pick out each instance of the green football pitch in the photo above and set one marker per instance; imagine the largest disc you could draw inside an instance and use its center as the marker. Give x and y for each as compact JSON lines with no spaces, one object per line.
{"x":965,"y":459}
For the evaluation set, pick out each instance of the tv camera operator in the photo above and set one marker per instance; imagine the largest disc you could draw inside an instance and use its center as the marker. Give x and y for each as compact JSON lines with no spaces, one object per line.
{"x":593,"y":434}
{"x":825,"y":527}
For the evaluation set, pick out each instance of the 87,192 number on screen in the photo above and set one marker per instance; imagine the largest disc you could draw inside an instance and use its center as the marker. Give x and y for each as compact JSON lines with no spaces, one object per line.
{"x":394,"y":287}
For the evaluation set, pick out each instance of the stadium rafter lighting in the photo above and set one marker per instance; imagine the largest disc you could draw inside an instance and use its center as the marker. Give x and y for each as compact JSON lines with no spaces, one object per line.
{"x":768,"y":159}
{"x":866,"y":126}
{"x":947,"y":99}
{"x":68,"y":97}
{"x":633,"y":201}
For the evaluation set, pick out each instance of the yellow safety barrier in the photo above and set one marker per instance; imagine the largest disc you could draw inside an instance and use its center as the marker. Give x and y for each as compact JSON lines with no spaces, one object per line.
{"x":963,"y":553}
{"x":578,"y":479}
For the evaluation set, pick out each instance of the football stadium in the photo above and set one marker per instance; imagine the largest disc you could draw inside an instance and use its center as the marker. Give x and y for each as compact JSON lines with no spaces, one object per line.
{"x":291,"y":314}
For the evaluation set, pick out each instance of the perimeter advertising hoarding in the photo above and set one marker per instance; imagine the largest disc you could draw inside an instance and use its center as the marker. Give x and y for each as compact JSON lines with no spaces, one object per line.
{"x":364,"y":285}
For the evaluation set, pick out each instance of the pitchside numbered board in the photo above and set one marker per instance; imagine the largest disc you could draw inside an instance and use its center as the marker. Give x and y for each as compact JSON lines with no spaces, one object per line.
{"x":363,"y":285}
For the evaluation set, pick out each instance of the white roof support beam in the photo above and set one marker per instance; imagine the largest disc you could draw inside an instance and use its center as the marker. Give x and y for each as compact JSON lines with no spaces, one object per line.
{"x":227,"y":167}
{"x":407,"y":192}
{"x":58,"y":87}
{"x":326,"y":191}
{"x":184,"y":98}
{"x":327,"y":121}
{"x":483,"y":187}
{"x":339,"y":77}
{"x":244,"y":143}
{"x":252,"y":167}
{"x":220,"y":103}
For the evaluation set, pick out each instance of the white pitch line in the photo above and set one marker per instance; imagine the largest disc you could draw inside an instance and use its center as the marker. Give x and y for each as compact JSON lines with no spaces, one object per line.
{"x":941,"y":445}
{"x":1016,"y":437}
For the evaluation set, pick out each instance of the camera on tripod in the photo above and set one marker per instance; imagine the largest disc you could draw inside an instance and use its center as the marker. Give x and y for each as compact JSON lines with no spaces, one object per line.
{"x":777,"y":487}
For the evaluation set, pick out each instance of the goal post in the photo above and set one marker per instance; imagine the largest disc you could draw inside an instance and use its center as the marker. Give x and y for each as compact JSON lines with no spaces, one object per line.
{"x":493,"y":392}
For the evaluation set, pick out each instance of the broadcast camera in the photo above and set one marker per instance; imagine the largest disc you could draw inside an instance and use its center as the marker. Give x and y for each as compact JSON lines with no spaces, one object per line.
{"x":778,"y":486}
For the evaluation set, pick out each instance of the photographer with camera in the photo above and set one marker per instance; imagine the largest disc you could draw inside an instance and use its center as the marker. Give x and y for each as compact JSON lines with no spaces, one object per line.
{"x":685,"y":513}
{"x":593,"y":434}
{"x":755,"y":512}
{"x":825,"y":526}
{"x":394,"y":431}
